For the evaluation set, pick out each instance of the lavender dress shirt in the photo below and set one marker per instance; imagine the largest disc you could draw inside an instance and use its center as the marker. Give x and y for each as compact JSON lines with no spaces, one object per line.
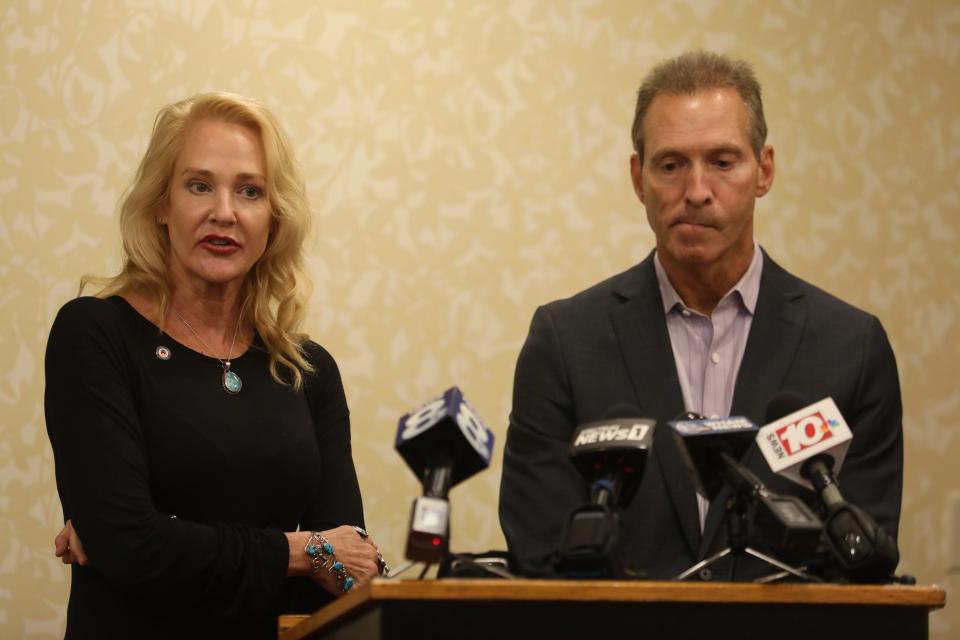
{"x":708,"y":349}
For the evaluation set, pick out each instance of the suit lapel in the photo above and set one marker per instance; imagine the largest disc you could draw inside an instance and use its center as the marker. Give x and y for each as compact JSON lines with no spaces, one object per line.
{"x":775,"y":335}
{"x":641,"y":330}
{"x":774,"y":339}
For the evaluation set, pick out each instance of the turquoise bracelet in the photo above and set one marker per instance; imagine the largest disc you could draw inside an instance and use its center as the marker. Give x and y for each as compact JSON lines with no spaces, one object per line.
{"x":320,"y":551}
{"x":321,"y":554}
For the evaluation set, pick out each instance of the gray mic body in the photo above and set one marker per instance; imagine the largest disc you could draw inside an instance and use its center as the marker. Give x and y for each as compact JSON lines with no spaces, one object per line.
{"x":712,"y":449}
{"x":611,"y":454}
{"x":443,"y":442}
{"x":865,"y":551}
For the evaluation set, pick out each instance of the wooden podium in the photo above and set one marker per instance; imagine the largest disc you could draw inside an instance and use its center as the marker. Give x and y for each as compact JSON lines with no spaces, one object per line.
{"x":532,"y":609}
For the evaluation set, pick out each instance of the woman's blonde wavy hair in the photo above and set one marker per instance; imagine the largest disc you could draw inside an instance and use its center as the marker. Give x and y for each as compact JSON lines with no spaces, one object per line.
{"x":275,"y":291}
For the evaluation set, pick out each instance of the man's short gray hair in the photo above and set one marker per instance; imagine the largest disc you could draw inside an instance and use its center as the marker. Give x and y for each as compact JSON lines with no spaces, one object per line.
{"x":697,"y":71}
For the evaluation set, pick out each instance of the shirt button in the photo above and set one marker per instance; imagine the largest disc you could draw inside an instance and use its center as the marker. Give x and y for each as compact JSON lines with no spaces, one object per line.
{"x":714,"y":357}
{"x":686,"y":314}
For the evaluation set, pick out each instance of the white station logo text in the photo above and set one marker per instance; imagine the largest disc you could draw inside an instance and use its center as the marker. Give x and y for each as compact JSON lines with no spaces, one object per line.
{"x":611,"y":433}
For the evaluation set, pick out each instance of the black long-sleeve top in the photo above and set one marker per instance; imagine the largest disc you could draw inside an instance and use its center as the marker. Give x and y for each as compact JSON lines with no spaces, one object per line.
{"x":181,"y":492}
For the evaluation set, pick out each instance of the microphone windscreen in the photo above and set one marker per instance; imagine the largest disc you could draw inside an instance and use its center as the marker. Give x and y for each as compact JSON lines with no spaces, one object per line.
{"x":701,"y":441}
{"x":795,"y":433}
{"x":446,"y":427}
{"x":783,"y":404}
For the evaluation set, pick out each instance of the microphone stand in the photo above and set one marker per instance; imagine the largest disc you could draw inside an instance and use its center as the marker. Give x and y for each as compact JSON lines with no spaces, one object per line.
{"x":737,"y":519}
{"x":745,"y":489}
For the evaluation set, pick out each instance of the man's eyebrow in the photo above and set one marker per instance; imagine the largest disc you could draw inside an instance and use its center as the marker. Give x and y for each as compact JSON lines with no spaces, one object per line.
{"x":726,"y":148}
{"x":711,"y":151}
{"x":663,"y":153}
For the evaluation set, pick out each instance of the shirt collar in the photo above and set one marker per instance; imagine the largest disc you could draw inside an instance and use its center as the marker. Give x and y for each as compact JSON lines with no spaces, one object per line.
{"x":747,"y":288}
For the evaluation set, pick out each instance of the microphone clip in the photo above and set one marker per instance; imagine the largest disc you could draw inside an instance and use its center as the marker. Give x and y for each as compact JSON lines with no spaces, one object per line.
{"x":863,"y":548}
{"x":588,"y":544}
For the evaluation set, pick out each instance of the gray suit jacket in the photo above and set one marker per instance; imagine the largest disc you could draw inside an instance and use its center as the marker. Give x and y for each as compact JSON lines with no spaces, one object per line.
{"x":609,"y":345}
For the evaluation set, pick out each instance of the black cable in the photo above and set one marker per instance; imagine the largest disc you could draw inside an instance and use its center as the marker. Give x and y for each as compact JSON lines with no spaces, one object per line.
{"x":497,"y":571}
{"x":426,"y":567}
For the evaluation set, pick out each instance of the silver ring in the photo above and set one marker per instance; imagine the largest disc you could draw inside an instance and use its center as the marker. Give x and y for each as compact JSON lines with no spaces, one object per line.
{"x":382,"y":568}
{"x":360,"y":530}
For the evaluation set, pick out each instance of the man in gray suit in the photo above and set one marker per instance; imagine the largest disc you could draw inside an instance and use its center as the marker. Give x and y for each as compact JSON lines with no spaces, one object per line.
{"x":706,"y":323}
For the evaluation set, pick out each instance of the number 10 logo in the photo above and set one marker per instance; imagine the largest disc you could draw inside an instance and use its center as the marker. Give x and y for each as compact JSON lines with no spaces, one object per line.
{"x":804,"y":433}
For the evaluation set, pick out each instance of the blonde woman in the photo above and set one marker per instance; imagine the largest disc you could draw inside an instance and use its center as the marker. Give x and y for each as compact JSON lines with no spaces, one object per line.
{"x":202,"y":444}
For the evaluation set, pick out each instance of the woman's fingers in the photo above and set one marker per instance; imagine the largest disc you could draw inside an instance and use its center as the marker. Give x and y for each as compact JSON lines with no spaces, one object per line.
{"x":68,"y":547}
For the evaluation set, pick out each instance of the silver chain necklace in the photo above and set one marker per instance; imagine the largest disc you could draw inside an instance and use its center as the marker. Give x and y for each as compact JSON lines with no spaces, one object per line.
{"x":231,"y":381}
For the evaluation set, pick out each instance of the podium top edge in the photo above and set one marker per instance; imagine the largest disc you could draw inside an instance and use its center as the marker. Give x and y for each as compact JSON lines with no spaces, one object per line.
{"x":932,"y":597}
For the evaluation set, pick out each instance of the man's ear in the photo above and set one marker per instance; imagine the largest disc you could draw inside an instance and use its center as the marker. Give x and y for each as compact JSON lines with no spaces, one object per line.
{"x":766,"y":171}
{"x":636,"y":175}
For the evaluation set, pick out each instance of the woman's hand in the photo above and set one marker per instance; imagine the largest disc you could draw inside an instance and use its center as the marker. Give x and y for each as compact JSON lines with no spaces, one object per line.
{"x":358,"y":554}
{"x":68,"y":547}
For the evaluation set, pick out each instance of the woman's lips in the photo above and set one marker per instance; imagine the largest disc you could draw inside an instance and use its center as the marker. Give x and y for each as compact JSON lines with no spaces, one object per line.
{"x":220,"y":245}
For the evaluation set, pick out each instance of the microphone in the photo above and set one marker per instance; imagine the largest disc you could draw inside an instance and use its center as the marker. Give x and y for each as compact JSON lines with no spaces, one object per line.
{"x":807,"y":444}
{"x":712,"y":449}
{"x":611,"y":454}
{"x":803,"y":443}
{"x":443,"y":442}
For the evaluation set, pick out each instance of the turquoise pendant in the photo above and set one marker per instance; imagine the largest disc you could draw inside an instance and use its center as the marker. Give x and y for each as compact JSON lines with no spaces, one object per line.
{"x":231,"y":382}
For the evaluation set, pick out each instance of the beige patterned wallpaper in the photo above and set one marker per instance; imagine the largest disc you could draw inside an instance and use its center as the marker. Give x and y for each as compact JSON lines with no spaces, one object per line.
{"x":467,"y":161}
